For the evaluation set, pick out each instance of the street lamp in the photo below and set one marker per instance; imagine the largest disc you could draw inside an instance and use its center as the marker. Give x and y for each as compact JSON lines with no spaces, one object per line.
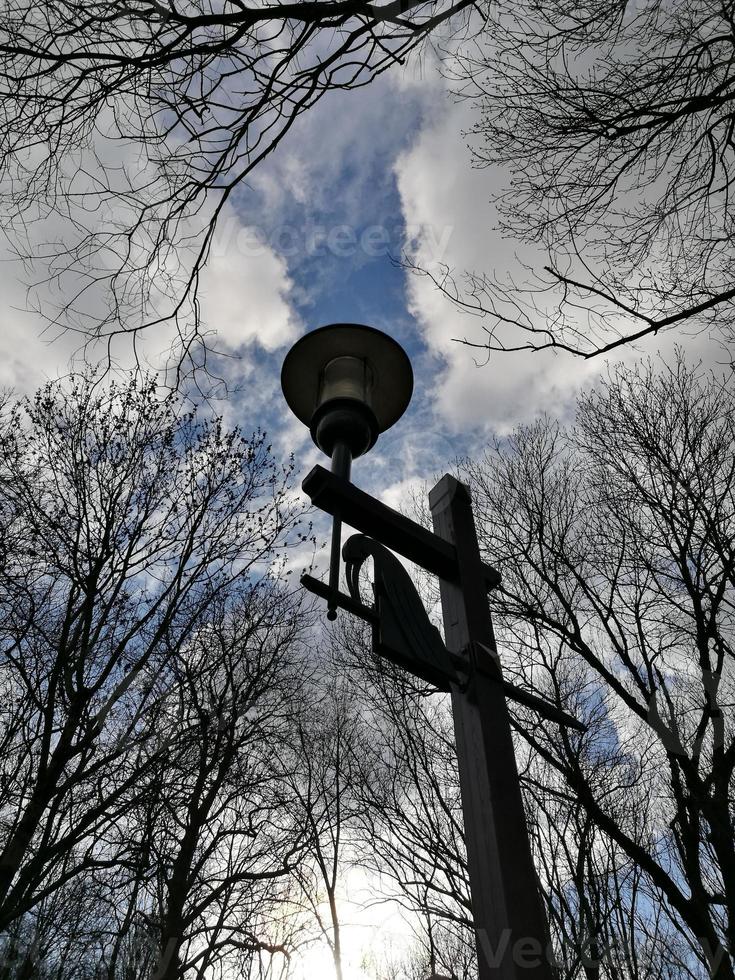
{"x":348,"y":383}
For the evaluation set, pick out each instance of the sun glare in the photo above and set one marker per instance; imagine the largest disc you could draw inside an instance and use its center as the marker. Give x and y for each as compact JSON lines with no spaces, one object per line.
{"x":317,"y":964}
{"x":366,"y":933}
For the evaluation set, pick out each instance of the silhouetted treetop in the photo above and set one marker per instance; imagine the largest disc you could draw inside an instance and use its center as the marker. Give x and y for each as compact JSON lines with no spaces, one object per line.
{"x":614,"y":123}
{"x":136,"y":121}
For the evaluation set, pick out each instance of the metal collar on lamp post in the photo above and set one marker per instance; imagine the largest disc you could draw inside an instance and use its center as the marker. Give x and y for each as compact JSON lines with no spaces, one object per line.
{"x":348,"y":383}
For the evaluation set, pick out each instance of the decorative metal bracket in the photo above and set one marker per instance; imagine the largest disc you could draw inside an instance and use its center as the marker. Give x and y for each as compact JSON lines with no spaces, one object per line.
{"x":403,"y":633}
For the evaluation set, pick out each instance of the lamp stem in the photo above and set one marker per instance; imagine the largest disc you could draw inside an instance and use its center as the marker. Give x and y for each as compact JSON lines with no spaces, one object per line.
{"x":341,"y":466}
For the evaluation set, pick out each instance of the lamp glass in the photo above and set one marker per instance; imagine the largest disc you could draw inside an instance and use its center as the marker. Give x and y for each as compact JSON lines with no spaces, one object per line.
{"x":347,"y":377}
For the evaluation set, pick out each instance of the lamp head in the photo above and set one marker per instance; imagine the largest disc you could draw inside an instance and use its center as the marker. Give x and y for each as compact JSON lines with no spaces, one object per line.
{"x":347,"y":383}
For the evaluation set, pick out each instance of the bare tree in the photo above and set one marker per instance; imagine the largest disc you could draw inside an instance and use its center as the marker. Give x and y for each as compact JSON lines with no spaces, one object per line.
{"x":616,"y":545}
{"x":324,"y":802}
{"x":204,"y":91}
{"x":133,"y":527}
{"x":408,"y":822}
{"x":605,"y":919}
{"x":412,"y":812}
{"x":614,"y":123}
{"x":214,"y":825}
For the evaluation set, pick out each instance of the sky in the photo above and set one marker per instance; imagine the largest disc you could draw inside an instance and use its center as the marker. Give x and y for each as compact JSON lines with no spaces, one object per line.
{"x":311,"y":239}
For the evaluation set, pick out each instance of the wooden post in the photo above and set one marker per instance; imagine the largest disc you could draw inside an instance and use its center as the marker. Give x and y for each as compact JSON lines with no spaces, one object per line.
{"x":512,"y":942}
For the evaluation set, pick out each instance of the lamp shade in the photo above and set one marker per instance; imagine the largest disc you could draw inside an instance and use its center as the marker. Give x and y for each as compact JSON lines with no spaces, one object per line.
{"x":344,"y":377}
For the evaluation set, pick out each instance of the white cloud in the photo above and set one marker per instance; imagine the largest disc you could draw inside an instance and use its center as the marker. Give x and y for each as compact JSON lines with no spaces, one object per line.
{"x":444,"y":196}
{"x":245,"y":293}
{"x":244,"y":289}
{"x":29,"y":353}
